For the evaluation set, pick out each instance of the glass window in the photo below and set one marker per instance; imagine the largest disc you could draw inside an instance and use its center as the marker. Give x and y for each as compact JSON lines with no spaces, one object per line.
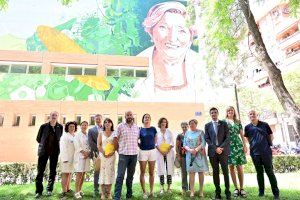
{"x":17,"y":120}
{"x":92,"y":120}
{"x":34,"y":69}
{"x":18,"y":69}
{"x":141,"y":73}
{"x":78,"y":119}
{"x":120,"y":119}
{"x":59,"y":70}
{"x":1,"y":120}
{"x":127,"y":72}
{"x":32,"y":120}
{"x":112,"y":72}
{"x":4,"y":68}
{"x":74,"y":70}
{"x":47,"y":118}
{"x":63,"y":119}
{"x":90,"y":71}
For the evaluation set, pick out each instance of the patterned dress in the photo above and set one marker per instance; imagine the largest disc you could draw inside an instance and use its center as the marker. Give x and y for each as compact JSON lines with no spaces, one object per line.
{"x":107,"y":170}
{"x":237,"y":155}
{"x":197,"y":163}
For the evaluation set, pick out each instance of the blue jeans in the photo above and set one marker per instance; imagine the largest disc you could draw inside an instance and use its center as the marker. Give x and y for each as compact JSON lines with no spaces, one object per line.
{"x":125,"y":162}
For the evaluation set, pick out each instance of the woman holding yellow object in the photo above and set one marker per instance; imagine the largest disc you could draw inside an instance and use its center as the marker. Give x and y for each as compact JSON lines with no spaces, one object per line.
{"x":108,"y":157}
{"x":165,"y":154}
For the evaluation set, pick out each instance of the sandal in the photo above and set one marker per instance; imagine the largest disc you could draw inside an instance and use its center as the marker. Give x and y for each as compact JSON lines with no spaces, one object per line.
{"x":236,"y":193}
{"x":243,"y":193}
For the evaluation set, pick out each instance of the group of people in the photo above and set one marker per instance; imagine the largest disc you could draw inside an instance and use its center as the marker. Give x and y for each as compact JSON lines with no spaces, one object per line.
{"x":225,"y":139}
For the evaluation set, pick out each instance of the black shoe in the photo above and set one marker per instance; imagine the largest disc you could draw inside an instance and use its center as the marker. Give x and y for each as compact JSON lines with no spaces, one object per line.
{"x":228,"y":197}
{"x":261,"y":194}
{"x":276,"y":198}
{"x":49,"y":193}
{"x":96,"y":194}
{"x":217,"y":197}
{"x":63,"y":196}
{"x":38,"y":196}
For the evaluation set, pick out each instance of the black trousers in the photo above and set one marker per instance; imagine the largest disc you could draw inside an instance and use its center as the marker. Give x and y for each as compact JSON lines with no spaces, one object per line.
{"x":215,"y":161}
{"x":42,"y":162}
{"x":262,"y":163}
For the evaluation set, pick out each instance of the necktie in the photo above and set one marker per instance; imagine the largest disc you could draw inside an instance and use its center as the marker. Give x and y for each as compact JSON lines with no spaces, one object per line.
{"x":216,"y":131}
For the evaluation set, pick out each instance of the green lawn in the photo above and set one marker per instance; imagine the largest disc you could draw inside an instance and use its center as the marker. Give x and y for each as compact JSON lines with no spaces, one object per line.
{"x":15,"y":192}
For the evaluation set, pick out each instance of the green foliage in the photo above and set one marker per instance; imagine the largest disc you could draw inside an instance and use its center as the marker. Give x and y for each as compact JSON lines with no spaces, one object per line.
{"x":294,"y":6}
{"x":3,"y":4}
{"x":292,"y":83}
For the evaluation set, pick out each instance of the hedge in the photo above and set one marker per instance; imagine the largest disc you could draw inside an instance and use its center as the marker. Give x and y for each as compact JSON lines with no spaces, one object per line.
{"x":23,"y":173}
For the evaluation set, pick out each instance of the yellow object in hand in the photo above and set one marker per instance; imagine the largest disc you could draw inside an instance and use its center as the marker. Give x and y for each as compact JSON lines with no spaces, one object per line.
{"x":109,"y":148}
{"x":164,"y":147}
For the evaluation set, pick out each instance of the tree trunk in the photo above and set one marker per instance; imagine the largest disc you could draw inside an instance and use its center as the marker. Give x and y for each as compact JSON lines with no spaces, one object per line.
{"x":274,"y":73}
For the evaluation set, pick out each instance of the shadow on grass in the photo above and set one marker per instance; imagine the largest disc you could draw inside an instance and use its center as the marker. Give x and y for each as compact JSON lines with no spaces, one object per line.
{"x":16,"y":192}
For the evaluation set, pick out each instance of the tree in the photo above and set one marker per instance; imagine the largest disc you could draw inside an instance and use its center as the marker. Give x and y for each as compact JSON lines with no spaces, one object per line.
{"x":224,"y":21}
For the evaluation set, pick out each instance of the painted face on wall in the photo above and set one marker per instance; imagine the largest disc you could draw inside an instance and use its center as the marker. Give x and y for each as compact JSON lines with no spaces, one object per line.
{"x":170,"y":35}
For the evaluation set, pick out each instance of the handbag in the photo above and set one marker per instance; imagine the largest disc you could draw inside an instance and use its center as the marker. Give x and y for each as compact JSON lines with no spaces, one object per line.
{"x":177,"y":162}
{"x":97,"y":162}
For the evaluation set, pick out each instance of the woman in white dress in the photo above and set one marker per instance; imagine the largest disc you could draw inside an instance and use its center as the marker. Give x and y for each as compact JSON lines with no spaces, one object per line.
{"x":165,"y":160}
{"x":81,"y":158}
{"x":67,"y":151}
{"x":107,"y":171}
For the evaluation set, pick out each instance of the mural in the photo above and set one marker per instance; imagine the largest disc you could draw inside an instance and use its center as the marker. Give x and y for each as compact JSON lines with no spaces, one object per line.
{"x":65,"y":88}
{"x":157,"y":29}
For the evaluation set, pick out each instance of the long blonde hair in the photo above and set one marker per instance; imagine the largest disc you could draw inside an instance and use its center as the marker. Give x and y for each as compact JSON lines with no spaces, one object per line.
{"x":235,"y":119}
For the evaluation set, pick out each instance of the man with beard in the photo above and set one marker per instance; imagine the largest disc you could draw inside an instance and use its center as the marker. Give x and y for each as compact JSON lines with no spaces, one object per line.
{"x":126,"y":141}
{"x":48,"y":138}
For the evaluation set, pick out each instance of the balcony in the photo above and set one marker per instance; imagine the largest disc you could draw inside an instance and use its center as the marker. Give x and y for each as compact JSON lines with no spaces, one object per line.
{"x":290,"y":40}
{"x":285,"y":23}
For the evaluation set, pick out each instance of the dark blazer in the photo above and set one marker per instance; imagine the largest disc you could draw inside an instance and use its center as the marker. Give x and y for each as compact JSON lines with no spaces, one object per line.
{"x":92,"y":137}
{"x":223,"y":138}
{"x":43,"y":135}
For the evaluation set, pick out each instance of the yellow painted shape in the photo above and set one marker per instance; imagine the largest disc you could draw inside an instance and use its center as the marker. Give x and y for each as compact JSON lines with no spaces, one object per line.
{"x":56,"y":41}
{"x":96,"y":82}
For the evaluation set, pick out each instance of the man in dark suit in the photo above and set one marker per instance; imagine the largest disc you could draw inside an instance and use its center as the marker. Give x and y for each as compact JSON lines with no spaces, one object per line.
{"x":217,"y":138}
{"x":48,"y":138}
{"x":92,"y":137}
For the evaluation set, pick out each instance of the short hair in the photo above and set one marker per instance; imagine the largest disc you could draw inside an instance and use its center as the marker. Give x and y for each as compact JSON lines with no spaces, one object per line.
{"x":145,"y":116}
{"x":253,"y":110}
{"x":112,"y":124}
{"x":68,"y":124}
{"x":98,"y":115}
{"x":156,"y":13}
{"x":213,"y":108}
{"x":161,"y":120}
{"x":84,"y":122}
{"x":184,"y":124}
{"x":54,"y":112}
{"x":193,"y":120}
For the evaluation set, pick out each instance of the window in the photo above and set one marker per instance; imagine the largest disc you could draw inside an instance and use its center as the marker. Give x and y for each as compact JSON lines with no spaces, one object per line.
{"x":47,"y":118}
{"x":63,"y":119}
{"x":127,"y":72}
{"x":105,"y":116}
{"x":112,"y":72}
{"x":1,"y":119}
{"x":74,"y":70}
{"x":59,"y":70}
{"x":32,"y":120}
{"x":17,"y":120}
{"x":34,"y":69}
{"x":4,"y":68}
{"x":92,"y":119}
{"x":120,"y":119}
{"x":18,"y":69}
{"x":90,"y":71}
{"x":78,"y":119}
{"x":140,"y":73}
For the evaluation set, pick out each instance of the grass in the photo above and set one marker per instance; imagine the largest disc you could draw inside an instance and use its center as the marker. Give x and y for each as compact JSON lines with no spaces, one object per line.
{"x":16,"y":192}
